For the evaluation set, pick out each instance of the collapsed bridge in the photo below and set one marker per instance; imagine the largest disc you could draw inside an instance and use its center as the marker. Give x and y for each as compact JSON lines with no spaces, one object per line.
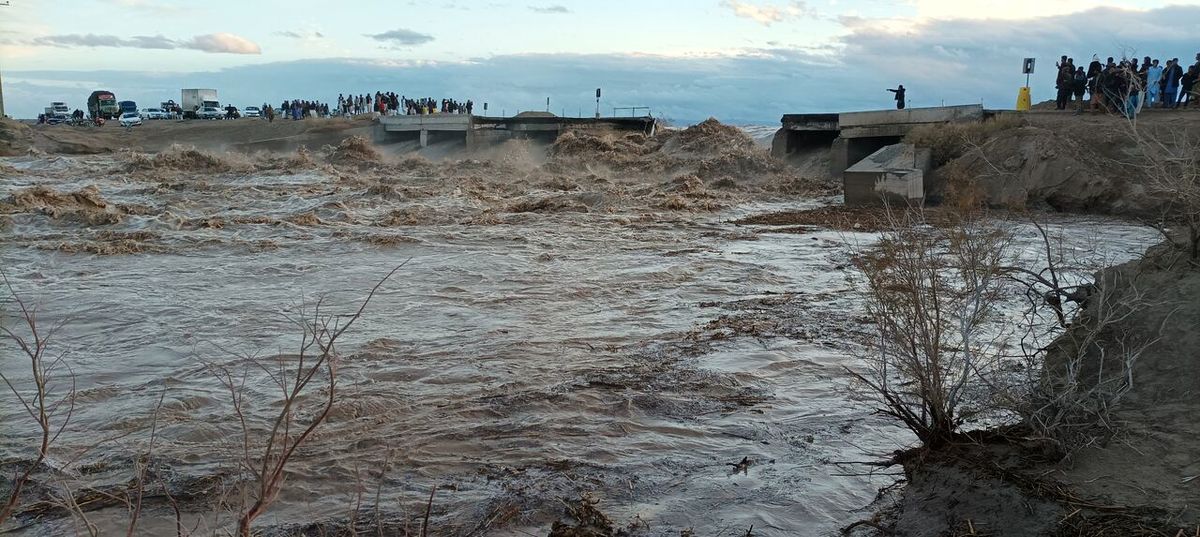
{"x":867,"y":150}
{"x":475,"y":130}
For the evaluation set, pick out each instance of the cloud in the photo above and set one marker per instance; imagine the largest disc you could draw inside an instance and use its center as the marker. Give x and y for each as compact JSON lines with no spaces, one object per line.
{"x":768,"y":14}
{"x":223,"y":43}
{"x":214,"y":43}
{"x":301,"y":34}
{"x":94,"y":40}
{"x":402,"y":37}
{"x":550,"y":10}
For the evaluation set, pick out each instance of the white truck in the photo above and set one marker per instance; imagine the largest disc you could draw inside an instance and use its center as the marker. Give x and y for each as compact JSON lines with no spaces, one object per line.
{"x":58,"y":112}
{"x":192,"y":100}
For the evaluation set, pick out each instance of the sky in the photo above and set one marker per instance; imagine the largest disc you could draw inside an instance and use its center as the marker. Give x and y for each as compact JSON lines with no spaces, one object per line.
{"x":741,"y":61}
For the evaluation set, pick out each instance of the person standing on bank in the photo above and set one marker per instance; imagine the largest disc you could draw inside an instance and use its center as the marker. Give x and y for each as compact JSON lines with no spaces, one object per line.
{"x":1172,"y":74}
{"x":899,"y":91}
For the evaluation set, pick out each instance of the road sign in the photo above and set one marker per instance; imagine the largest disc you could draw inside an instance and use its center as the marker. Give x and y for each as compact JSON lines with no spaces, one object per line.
{"x":1027,"y":68}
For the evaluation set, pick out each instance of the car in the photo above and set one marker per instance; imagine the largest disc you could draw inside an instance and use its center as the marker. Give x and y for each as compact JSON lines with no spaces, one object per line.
{"x":131,"y":119}
{"x":155,"y":113}
{"x":251,"y":111}
{"x":210,"y":112}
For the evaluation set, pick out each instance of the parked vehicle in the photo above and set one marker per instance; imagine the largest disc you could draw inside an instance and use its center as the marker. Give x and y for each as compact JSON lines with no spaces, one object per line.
{"x":192,"y":100}
{"x":131,"y":119}
{"x":50,"y":118}
{"x":155,"y":113}
{"x":58,"y":108}
{"x":209,"y":112}
{"x":127,"y":107}
{"x":251,"y":111}
{"x":103,"y":104}
{"x":57,"y":112}
{"x":171,"y":109}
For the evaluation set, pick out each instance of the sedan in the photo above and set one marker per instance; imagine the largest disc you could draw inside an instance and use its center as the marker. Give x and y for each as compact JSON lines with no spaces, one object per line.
{"x":210,"y":112}
{"x":251,"y":111}
{"x":155,"y":113}
{"x":131,"y":119}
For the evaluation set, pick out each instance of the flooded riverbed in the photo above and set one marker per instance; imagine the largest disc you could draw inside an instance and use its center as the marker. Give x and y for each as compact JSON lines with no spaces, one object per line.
{"x":543,"y":340}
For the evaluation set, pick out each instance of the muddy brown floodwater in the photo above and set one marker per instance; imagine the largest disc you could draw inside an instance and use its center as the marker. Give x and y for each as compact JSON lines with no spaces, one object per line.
{"x":544,"y":340}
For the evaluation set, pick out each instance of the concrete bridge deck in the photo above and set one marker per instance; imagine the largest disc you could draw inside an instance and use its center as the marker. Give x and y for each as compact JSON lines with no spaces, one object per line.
{"x":474,"y":129}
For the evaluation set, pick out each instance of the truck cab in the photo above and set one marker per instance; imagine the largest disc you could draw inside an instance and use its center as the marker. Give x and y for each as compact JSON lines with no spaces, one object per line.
{"x":103,"y":104}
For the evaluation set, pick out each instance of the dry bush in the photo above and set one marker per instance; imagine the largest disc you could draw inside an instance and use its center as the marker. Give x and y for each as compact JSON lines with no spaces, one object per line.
{"x":929,"y":293}
{"x":1170,"y":161}
{"x":953,"y":140}
{"x":940,"y":353}
{"x":1077,"y":347}
{"x":307,"y":383}
{"x":964,"y":193}
{"x":1090,"y":368}
{"x":48,"y":397}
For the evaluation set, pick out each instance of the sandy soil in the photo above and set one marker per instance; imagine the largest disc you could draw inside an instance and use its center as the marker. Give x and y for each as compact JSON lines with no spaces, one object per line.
{"x":1071,"y":162}
{"x":153,"y":136}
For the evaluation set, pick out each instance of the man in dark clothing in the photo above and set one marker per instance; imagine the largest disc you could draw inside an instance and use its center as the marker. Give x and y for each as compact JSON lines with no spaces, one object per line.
{"x":1095,"y":67}
{"x":899,"y":91}
{"x":1064,"y":84}
{"x":1188,"y":85}
{"x":1172,"y":75}
{"x":1079,"y":87}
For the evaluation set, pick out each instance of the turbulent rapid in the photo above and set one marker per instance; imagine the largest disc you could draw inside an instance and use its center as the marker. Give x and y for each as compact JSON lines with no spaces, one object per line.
{"x":579,"y":320}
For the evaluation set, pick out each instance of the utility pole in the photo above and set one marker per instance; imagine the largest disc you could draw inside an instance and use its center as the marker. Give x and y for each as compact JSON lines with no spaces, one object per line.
{"x":2,"y":4}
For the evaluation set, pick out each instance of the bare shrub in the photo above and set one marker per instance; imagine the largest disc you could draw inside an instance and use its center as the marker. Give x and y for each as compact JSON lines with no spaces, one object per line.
{"x":929,"y":293}
{"x":952,"y":140}
{"x":307,"y":383}
{"x":48,"y":398}
{"x":1170,"y":160}
{"x":1077,"y":344}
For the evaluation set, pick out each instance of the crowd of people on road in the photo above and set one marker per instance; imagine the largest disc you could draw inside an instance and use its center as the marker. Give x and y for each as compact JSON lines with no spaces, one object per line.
{"x":382,"y":103}
{"x":302,"y":109}
{"x":1128,"y":86}
{"x":391,"y":104}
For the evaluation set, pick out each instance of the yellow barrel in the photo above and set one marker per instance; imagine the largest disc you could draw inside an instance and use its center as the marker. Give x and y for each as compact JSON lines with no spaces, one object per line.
{"x":1024,"y":101}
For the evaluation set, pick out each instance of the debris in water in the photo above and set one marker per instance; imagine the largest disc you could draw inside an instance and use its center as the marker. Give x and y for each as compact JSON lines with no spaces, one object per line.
{"x":741,"y":467}
{"x":589,"y":520}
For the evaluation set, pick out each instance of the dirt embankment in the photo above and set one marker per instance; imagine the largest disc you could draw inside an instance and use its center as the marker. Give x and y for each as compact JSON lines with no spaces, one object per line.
{"x":1141,"y":480}
{"x":1053,"y":160}
{"x":18,"y":138}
